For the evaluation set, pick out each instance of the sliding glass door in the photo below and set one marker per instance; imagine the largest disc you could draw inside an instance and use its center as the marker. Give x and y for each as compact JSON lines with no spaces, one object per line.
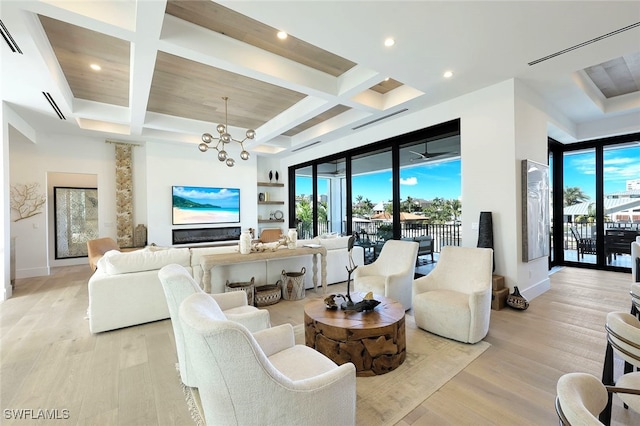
{"x":372,"y":189}
{"x":579,"y":196}
{"x":621,"y":177}
{"x":600,"y":211}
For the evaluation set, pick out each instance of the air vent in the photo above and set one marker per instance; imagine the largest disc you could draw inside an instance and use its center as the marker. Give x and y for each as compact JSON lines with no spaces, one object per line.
{"x":53,"y":104}
{"x":379,"y":119}
{"x":306,"y":146}
{"x":6,"y":35}
{"x":585,"y":43}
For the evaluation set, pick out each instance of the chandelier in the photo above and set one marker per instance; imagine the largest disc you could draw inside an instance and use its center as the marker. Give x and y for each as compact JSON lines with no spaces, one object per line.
{"x":225,"y":138}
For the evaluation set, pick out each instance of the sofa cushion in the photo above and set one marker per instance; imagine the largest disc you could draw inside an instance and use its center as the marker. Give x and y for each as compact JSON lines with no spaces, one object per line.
{"x":114,"y":262}
{"x":334,"y":243}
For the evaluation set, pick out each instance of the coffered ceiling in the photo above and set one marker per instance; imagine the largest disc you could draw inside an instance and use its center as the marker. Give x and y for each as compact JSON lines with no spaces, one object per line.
{"x":166,"y":65}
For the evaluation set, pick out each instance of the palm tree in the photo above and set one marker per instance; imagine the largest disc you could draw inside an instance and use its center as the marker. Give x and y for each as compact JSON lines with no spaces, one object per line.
{"x":456,"y":209}
{"x":439,"y":210}
{"x":573,"y":195}
{"x":304,"y":217}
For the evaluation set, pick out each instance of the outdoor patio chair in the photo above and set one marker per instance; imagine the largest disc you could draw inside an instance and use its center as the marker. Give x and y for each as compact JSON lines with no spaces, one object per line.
{"x":585,"y":245}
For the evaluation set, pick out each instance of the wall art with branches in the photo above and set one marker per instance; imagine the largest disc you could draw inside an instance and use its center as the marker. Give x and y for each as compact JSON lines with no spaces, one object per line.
{"x":27,"y":200}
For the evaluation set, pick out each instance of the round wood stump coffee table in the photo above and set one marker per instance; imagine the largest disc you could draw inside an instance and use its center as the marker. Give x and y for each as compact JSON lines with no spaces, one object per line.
{"x":373,"y":341}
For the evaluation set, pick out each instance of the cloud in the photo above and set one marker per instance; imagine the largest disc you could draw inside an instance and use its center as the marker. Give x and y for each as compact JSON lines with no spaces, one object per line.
{"x":409,"y":181}
{"x":615,"y":168}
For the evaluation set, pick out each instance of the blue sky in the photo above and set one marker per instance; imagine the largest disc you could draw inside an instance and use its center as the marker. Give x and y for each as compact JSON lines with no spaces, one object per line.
{"x":620,"y":165}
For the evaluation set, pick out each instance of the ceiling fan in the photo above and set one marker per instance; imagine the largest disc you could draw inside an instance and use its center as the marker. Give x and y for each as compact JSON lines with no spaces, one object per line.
{"x":338,"y":172}
{"x":426,"y":155}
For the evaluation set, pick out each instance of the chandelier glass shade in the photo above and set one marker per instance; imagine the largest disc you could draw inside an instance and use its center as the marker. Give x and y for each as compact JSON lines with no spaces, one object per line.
{"x":223,"y":139}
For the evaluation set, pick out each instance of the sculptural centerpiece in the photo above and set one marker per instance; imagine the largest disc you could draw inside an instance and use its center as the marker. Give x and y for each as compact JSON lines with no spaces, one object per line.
{"x":368,"y":303}
{"x":348,"y":303}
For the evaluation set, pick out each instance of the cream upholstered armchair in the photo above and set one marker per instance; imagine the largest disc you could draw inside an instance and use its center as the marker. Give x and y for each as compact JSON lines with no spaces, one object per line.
{"x":623,"y":339}
{"x":264,"y":377}
{"x":177,"y":284}
{"x":454,"y":300}
{"x":391,"y":274}
{"x":581,"y":397}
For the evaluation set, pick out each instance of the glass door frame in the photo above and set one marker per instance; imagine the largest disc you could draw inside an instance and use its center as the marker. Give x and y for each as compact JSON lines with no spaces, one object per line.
{"x":558,"y":150}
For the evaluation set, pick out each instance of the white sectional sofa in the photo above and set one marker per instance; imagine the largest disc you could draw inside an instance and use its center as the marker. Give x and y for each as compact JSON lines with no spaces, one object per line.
{"x":125,"y":289}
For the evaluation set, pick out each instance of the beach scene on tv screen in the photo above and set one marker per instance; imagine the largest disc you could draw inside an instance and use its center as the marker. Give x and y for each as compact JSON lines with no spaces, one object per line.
{"x":192,"y":205}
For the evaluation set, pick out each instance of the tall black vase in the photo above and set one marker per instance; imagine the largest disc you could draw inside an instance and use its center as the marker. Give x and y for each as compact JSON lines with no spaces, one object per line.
{"x":485,"y":233}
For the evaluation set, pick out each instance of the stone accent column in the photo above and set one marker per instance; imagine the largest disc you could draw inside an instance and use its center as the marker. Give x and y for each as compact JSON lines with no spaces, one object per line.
{"x":124,"y":195}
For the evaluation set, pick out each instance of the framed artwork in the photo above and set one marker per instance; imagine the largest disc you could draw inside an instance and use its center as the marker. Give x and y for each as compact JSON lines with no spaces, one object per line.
{"x":535,"y":210}
{"x":200,"y":205}
{"x":76,"y":220}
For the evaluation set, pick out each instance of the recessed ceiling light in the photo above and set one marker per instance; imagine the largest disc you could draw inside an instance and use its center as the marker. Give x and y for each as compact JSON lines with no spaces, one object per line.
{"x":282,"y":35}
{"x":389,"y":42}
{"x":95,"y":67}
{"x":448,"y":74}
{"x":386,"y":79}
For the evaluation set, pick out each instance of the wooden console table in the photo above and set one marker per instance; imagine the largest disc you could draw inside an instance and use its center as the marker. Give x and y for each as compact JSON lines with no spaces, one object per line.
{"x":373,"y":341}
{"x":211,"y":260}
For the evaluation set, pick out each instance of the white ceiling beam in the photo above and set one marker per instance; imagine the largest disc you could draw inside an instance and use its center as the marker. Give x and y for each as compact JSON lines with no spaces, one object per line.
{"x":144,"y":50}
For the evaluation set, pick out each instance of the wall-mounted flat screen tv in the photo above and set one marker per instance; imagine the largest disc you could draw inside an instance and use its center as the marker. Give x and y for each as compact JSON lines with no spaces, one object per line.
{"x":199,"y":205}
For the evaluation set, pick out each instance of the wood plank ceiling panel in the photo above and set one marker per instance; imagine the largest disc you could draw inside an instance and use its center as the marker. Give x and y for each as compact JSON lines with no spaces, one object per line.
{"x":336,"y":110}
{"x":386,"y":86}
{"x":76,"y":48}
{"x":225,"y":21}
{"x":184,"y":88}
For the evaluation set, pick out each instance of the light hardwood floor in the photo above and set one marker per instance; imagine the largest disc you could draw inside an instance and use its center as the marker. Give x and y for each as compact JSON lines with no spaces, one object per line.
{"x":51,"y":361}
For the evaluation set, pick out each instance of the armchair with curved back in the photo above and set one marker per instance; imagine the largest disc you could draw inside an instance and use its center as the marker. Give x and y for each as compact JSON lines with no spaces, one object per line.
{"x":264,"y":377}
{"x":178,"y":284}
{"x":454,"y":300}
{"x":580,"y":397}
{"x":391,"y":274}
{"x":635,"y":278}
{"x":623,"y":339}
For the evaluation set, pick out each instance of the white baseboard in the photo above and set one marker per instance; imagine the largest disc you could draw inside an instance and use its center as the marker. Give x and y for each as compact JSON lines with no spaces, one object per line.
{"x":7,"y":292}
{"x":33,"y":272}
{"x":537,"y":289}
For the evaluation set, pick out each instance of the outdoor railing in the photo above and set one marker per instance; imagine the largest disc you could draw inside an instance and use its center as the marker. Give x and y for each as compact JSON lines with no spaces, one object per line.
{"x":443,"y":234}
{"x":588,"y":230}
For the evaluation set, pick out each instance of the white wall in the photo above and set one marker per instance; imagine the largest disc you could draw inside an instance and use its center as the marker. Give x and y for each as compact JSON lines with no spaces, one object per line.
{"x":170,"y":164}
{"x":5,"y":235}
{"x":531,"y":144}
{"x":61,"y":154}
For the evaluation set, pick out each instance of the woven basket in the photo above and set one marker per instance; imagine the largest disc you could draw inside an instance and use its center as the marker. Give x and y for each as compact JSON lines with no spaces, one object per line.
{"x":268,"y":294}
{"x":293,"y":285}
{"x":248,"y":287}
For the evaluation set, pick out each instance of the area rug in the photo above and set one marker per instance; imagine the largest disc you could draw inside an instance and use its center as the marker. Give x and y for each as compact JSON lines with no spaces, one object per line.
{"x":431,"y":362}
{"x":385,"y":400}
